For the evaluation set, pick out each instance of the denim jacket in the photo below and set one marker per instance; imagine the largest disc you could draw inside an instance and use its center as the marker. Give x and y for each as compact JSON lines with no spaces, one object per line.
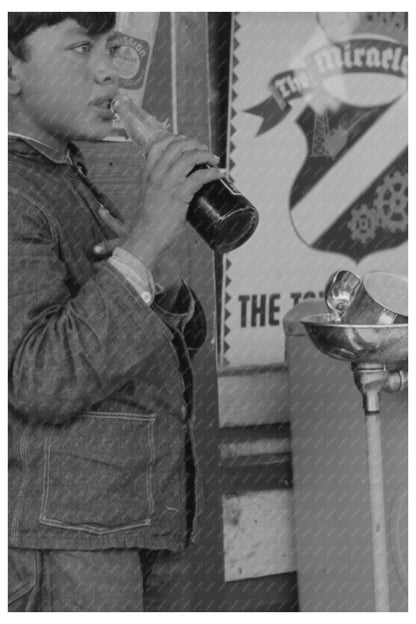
{"x":100,"y":384}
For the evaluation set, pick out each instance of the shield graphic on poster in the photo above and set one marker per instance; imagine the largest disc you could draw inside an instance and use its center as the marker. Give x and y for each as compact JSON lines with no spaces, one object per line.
{"x":361,"y":209}
{"x":350,"y":195}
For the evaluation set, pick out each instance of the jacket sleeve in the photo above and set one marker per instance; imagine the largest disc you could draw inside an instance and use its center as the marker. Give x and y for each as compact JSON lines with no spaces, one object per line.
{"x":68,"y":352}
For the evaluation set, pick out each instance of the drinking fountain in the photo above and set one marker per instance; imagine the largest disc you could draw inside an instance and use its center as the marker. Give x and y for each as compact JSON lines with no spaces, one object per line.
{"x":378,"y":354}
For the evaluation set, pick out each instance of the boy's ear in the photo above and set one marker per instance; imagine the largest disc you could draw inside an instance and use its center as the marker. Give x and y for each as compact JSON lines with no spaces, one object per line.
{"x":14,"y":74}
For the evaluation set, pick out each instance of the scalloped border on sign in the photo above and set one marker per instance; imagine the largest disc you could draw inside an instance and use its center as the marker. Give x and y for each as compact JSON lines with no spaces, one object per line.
{"x":226,"y":297}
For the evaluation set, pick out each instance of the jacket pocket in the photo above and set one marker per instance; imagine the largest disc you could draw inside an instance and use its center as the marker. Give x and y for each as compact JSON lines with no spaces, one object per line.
{"x":98,"y":473}
{"x":22,"y":578}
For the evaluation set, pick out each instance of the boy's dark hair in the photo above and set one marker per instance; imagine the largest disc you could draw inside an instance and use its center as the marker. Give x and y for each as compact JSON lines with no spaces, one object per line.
{"x":23,"y":24}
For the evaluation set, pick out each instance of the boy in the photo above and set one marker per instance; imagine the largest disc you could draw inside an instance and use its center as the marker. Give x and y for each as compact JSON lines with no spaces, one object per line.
{"x":103,"y":498}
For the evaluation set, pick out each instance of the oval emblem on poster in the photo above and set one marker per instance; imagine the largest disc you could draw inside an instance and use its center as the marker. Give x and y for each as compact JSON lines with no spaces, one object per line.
{"x":131,"y":61}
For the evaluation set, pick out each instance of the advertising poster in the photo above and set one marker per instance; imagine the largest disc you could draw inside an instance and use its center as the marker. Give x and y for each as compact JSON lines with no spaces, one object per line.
{"x":318,"y":143}
{"x":136,"y":36}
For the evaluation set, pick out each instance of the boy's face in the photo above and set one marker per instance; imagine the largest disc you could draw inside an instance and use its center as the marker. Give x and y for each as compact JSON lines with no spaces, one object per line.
{"x":67,"y":84}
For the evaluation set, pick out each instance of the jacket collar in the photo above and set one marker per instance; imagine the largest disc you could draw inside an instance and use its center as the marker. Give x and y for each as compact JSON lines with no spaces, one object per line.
{"x":19,"y":143}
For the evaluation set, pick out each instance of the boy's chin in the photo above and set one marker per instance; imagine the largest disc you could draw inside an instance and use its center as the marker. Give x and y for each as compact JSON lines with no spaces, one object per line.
{"x":94,"y":134}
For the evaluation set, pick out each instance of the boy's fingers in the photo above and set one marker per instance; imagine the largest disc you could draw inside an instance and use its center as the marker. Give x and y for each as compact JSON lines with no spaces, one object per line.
{"x":173,"y":152}
{"x":200,"y":177}
{"x":117,"y":226}
{"x":189,"y":160}
{"x":160,"y":147}
{"x":106,"y":247}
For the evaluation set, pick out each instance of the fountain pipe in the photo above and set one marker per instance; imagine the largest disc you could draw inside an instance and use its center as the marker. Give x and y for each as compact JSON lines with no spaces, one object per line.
{"x":378,"y":517}
{"x":371,"y":379}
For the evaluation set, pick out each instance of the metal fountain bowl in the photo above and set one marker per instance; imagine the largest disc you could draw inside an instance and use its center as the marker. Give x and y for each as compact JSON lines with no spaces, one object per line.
{"x":380,"y":344}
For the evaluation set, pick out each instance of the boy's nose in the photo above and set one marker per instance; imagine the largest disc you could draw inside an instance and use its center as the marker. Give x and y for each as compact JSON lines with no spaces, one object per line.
{"x":105,"y":70}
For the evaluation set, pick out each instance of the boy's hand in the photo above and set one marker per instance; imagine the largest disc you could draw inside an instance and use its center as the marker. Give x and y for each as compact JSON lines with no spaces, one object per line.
{"x":167,"y":189}
{"x":166,"y":272}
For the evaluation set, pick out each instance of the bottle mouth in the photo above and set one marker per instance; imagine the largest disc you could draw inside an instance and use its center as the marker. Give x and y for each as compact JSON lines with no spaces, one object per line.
{"x":115,"y":105}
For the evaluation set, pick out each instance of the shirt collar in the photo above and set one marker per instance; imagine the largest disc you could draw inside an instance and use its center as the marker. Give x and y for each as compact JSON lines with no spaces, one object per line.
{"x":72,"y":155}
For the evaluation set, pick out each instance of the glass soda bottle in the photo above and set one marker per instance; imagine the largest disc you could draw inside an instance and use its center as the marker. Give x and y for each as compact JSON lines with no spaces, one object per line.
{"x":220,"y":214}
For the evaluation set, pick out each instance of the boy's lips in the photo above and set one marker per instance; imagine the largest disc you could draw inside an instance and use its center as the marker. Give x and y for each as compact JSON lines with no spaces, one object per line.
{"x":104,"y":101}
{"x":103,"y":104}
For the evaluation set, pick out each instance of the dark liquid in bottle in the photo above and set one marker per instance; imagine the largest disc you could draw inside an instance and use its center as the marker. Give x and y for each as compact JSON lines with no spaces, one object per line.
{"x":221,"y":215}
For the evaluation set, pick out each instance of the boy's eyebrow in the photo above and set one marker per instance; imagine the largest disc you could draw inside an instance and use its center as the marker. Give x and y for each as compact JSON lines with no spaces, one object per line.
{"x":77,"y":30}
{"x":82,"y":31}
{"x":113,"y":37}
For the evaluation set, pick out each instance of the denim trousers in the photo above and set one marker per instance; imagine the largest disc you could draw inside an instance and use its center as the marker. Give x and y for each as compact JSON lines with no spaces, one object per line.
{"x":102,"y":580}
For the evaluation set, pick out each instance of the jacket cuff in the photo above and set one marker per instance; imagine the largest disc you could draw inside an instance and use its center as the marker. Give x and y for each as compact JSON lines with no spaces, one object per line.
{"x":135,"y":272}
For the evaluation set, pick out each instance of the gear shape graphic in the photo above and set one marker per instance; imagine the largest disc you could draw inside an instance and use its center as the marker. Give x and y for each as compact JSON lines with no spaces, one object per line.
{"x":363,"y":223}
{"x":391,"y":202}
